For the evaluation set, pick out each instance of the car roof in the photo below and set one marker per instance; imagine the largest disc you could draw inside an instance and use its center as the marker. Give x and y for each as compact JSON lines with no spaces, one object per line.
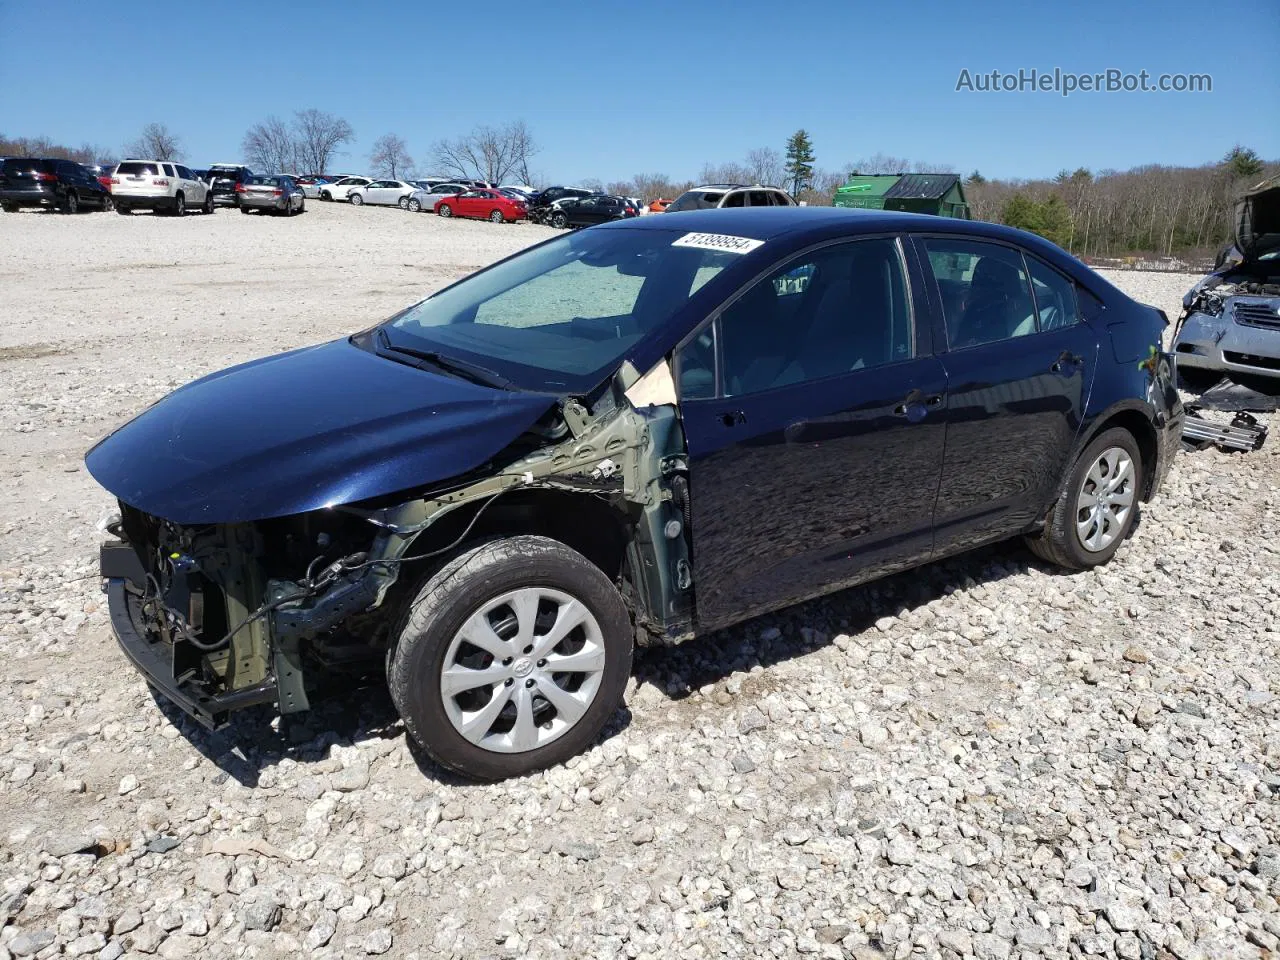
{"x":769,"y":223}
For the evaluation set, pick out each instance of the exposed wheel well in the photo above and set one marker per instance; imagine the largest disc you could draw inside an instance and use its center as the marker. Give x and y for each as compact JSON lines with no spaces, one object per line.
{"x":1143,"y":432}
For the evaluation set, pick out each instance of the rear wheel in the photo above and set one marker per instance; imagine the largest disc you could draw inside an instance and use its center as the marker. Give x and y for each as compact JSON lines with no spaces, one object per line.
{"x":412,"y":205}
{"x":326,"y":195}
{"x":123,"y":209}
{"x":245,"y":210}
{"x":207,"y":206}
{"x":403,"y":203}
{"x":511,"y":658}
{"x":302,"y":204}
{"x":445,"y":210}
{"x":497,"y":217}
{"x":179,"y":206}
{"x":9,"y":207}
{"x":71,"y":202}
{"x":107,"y":203}
{"x":356,"y":199}
{"x":1098,"y":505}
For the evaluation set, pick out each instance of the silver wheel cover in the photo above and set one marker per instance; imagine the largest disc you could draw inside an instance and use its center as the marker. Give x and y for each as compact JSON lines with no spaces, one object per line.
{"x":522,"y":670}
{"x":1105,"y":499}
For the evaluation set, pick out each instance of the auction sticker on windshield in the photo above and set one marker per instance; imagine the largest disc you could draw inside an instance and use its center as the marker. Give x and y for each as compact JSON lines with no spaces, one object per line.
{"x":718,"y":241}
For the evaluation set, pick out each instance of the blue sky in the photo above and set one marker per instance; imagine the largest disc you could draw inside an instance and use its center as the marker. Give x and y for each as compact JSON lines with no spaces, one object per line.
{"x":610,"y":90}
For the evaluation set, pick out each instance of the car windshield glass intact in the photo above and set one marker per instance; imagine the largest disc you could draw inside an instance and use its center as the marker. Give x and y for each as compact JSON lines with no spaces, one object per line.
{"x":558,"y":317}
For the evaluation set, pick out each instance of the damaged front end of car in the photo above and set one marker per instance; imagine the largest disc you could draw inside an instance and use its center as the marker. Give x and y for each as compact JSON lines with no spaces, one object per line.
{"x":1231,"y":319}
{"x":222,"y":616}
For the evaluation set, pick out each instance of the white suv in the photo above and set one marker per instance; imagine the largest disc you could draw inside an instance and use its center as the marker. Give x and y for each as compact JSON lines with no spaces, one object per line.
{"x":716,"y":195}
{"x":159,"y":185}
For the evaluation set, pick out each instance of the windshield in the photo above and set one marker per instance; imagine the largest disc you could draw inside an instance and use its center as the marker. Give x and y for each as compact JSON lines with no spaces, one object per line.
{"x":696,"y":200}
{"x":557,"y":318}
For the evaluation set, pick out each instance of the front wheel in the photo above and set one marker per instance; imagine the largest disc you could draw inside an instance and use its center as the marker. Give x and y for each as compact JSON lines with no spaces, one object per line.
{"x":413,"y":206}
{"x":356,"y":199}
{"x":445,"y":210}
{"x":107,"y":204}
{"x":496,"y":217}
{"x":559,"y":220}
{"x":1097,"y":507}
{"x":511,"y":658}
{"x":326,"y":195}
{"x":71,"y":204}
{"x":179,"y":206}
{"x":123,"y":209}
{"x":245,"y":210}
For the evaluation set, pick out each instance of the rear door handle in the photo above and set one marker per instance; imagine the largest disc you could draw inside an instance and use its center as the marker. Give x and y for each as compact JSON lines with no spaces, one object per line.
{"x":916,"y":407}
{"x":1067,"y":362}
{"x":733,"y":418}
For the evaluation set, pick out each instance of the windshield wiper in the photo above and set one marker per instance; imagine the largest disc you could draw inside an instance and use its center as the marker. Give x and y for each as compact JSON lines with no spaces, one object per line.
{"x":459,"y":368}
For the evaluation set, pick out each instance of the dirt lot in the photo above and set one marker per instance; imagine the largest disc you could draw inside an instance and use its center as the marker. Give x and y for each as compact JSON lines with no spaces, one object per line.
{"x":983,"y":758}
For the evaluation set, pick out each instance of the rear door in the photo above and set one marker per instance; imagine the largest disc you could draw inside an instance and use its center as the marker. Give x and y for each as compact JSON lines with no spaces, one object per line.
{"x":814,"y":414}
{"x":1020,"y":364}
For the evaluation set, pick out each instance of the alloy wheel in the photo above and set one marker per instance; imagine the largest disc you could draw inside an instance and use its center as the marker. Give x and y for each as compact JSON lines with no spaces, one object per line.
{"x":1105,"y":499}
{"x":522,"y":670}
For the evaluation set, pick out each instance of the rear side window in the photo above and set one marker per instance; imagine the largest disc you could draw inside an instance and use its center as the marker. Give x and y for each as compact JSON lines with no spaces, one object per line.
{"x":985,"y":291}
{"x":736,"y":200}
{"x":1055,"y":296}
{"x":132,"y":168}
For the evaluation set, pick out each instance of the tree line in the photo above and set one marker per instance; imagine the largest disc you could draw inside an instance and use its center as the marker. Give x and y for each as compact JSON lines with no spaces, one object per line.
{"x":1147,"y":210}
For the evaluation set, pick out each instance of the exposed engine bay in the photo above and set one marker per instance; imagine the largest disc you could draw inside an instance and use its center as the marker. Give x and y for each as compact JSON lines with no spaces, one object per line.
{"x":241,"y":613}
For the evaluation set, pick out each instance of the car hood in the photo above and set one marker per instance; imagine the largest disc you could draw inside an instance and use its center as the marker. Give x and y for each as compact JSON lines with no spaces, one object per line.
{"x":1258,"y":220}
{"x":312,"y":428}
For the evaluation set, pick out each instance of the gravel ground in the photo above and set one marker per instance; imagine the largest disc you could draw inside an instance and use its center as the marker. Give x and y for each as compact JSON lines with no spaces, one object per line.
{"x":982,"y":758}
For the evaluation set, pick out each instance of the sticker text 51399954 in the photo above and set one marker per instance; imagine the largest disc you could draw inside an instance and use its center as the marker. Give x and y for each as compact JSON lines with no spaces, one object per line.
{"x":718,"y":241}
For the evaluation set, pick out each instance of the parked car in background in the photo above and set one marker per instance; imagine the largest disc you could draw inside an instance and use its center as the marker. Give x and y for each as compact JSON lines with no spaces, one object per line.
{"x":385,"y":193}
{"x":483,"y":205}
{"x":311,"y":186}
{"x":51,"y":183}
{"x":223,"y":179}
{"x":160,"y":186}
{"x":280,"y":195}
{"x":429,"y":198}
{"x":1230,"y":325}
{"x":714,"y":195}
{"x":541,"y":203}
{"x":338,"y":189}
{"x":588,"y":211}
{"x":102,"y":174}
{"x":489,"y":494}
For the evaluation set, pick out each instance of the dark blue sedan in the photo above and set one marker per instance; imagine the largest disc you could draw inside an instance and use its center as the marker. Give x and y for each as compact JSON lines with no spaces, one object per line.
{"x":635,"y":433}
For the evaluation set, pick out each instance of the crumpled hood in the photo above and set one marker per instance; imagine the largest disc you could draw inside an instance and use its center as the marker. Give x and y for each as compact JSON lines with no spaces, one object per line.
{"x":1258,"y":220}
{"x":312,"y":428}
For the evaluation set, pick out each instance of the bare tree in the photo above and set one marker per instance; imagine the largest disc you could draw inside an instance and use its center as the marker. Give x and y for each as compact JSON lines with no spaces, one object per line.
{"x":270,"y":146}
{"x":318,"y":137}
{"x":487,"y":153}
{"x":156,"y":142}
{"x":766,"y":165}
{"x":390,"y":157}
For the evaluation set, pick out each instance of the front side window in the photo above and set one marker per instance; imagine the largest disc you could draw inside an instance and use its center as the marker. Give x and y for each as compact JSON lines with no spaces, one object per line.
{"x":1055,"y":296}
{"x":736,"y":200}
{"x":558,"y":316}
{"x":832,"y":311}
{"x":985,"y":291}
{"x":696,"y":200}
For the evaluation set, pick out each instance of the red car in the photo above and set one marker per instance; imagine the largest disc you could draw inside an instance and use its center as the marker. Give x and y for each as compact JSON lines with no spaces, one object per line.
{"x":483,"y":205}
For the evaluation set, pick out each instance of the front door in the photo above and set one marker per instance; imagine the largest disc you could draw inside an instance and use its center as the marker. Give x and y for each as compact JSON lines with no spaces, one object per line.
{"x":817,"y":451}
{"x":1019,"y":363}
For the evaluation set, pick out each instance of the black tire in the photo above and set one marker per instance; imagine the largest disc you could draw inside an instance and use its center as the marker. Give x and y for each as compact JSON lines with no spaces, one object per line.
{"x":356,"y":199}
{"x":71,"y":202}
{"x":444,"y":603}
{"x":207,"y":207}
{"x":107,"y":204}
{"x":1060,"y":542}
{"x":559,"y":220}
{"x":302,"y":205}
{"x":403,"y":203}
{"x":326,"y":195}
{"x":179,"y":206}
{"x":497,"y":217}
{"x":444,"y":210}
{"x":244,"y":209}
{"x":123,"y":209}
{"x":9,"y":207}
{"x":413,"y":205}
{"x":1195,"y":380}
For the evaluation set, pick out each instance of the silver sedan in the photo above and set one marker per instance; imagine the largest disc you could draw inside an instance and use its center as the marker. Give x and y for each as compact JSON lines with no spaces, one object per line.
{"x":270,"y":195}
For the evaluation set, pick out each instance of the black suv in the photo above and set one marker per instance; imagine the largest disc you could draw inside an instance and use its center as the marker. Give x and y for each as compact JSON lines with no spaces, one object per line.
{"x":223,"y":179}
{"x":540,"y":203}
{"x":48,"y":182}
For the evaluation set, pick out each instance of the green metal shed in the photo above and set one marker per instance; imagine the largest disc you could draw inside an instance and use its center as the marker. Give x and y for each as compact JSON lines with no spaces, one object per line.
{"x":941,"y":194}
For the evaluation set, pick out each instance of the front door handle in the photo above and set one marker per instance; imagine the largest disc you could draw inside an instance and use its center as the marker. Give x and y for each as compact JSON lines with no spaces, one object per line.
{"x":1067,"y":362}
{"x":733,"y":418}
{"x":915,"y":407}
